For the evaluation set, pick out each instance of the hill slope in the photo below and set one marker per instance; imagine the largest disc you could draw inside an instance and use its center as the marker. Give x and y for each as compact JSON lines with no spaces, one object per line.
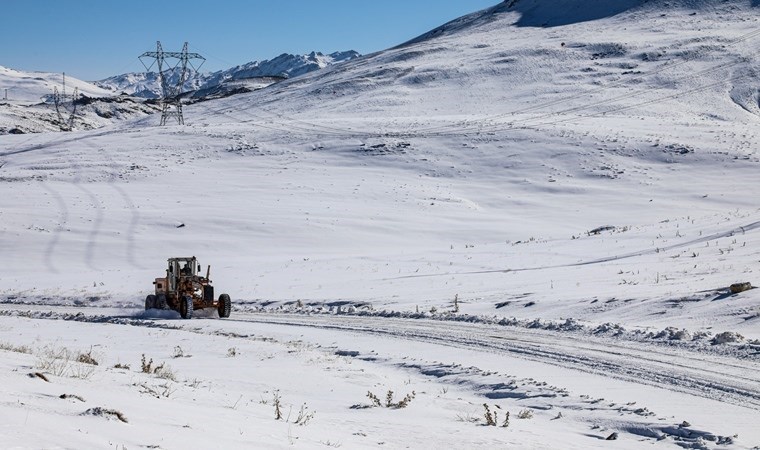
{"x":489,"y":134}
{"x":31,"y":87}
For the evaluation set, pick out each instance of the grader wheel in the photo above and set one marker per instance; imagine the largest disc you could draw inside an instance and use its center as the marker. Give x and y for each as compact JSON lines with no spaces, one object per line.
{"x":150,"y":302}
{"x":224,"y":306}
{"x":186,"y":307}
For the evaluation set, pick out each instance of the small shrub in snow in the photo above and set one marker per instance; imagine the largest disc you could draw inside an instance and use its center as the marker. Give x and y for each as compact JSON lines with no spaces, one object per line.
{"x":373,"y":398}
{"x":277,"y":406}
{"x":15,"y":348}
{"x":232,"y":352}
{"x":161,"y":370}
{"x":164,"y":390}
{"x":146,"y":367}
{"x":404,"y":402}
{"x":468,"y":418}
{"x":489,"y":416}
{"x":304,"y":415}
{"x":62,"y":362}
{"x":87,"y":358}
{"x":54,"y":360}
{"x":525,"y":414}
{"x":165,"y":372}
{"x":179,"y":353}
{"x":83,"y":371}
{"x":388,"y":399}
{"x":492,"y":417}
{"x":389,"y":403}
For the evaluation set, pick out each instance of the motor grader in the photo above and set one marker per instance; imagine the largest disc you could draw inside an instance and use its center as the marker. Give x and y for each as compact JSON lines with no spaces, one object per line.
{"x":184,"y":290}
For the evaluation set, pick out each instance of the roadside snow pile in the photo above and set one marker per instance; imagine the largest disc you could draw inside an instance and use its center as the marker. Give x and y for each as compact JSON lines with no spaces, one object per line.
{"x":727,"y":337}
{"x":672,"y":336}
{"x":672,"y":333}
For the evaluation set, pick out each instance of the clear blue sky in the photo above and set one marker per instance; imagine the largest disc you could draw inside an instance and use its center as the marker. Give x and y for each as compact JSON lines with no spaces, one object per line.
{"x":95,"y":39}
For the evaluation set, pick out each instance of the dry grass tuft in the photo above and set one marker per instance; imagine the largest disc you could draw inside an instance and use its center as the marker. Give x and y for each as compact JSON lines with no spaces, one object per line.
{"x":103,"y":412}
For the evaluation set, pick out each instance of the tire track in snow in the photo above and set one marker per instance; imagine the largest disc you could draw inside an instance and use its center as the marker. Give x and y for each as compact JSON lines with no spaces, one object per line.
{"x":134,"y":221}
{"x":97,"y":221}
{"x":741,"y":229}
{"x":58,"y":141}
{"x":710,"y":376}
{"x":63,"y":219}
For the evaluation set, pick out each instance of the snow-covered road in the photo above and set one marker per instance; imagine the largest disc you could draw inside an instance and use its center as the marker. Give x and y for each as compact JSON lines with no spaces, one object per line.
{"x":598,"y":383}
{"x":727,"y":378}
{"x":713,"y":376}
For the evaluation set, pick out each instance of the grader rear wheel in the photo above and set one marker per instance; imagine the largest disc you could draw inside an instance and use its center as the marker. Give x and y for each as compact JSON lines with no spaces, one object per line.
{"x":186,"y":307}
{"x":224,"y":306}
{"x":150,"y":302}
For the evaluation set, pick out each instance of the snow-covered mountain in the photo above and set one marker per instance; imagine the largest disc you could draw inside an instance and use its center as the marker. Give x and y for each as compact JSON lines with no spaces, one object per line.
{"x":31,"y":87}
{"x":29,"y":106}
{"x":115,"y":96}
{"x":284,"y":66}
{"x":145,"y":84}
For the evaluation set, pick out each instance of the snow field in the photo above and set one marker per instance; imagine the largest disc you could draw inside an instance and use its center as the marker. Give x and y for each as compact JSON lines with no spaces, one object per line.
{"x":585,"y":190}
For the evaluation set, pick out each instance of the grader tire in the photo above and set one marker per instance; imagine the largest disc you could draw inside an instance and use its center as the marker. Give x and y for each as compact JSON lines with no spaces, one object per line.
{"x":224,"y":306}
{"x":150,"y":302}
{"x":186,"y":307}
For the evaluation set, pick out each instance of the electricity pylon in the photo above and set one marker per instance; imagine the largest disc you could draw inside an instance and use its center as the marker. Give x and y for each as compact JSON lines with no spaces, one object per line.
{"x":65,"y":105}
{"x":172,"y":75}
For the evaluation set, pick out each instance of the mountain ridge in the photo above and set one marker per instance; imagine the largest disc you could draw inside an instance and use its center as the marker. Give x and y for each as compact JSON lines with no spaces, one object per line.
{"x":285,"y":65}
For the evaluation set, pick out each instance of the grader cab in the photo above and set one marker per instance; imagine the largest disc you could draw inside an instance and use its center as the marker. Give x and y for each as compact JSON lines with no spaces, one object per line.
{"x":185,"y":290}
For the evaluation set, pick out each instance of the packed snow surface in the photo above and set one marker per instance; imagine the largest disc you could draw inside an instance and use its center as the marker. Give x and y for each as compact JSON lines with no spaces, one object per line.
{"x":539,"y":207}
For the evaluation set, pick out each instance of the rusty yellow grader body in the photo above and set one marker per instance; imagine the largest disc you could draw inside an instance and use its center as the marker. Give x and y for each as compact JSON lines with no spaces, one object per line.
{"x":185,"y":290}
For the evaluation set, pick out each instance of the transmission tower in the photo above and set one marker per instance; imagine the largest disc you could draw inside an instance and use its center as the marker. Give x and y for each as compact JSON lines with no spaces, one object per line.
{"x":65,"y":106}
{"x":172,"y":75}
